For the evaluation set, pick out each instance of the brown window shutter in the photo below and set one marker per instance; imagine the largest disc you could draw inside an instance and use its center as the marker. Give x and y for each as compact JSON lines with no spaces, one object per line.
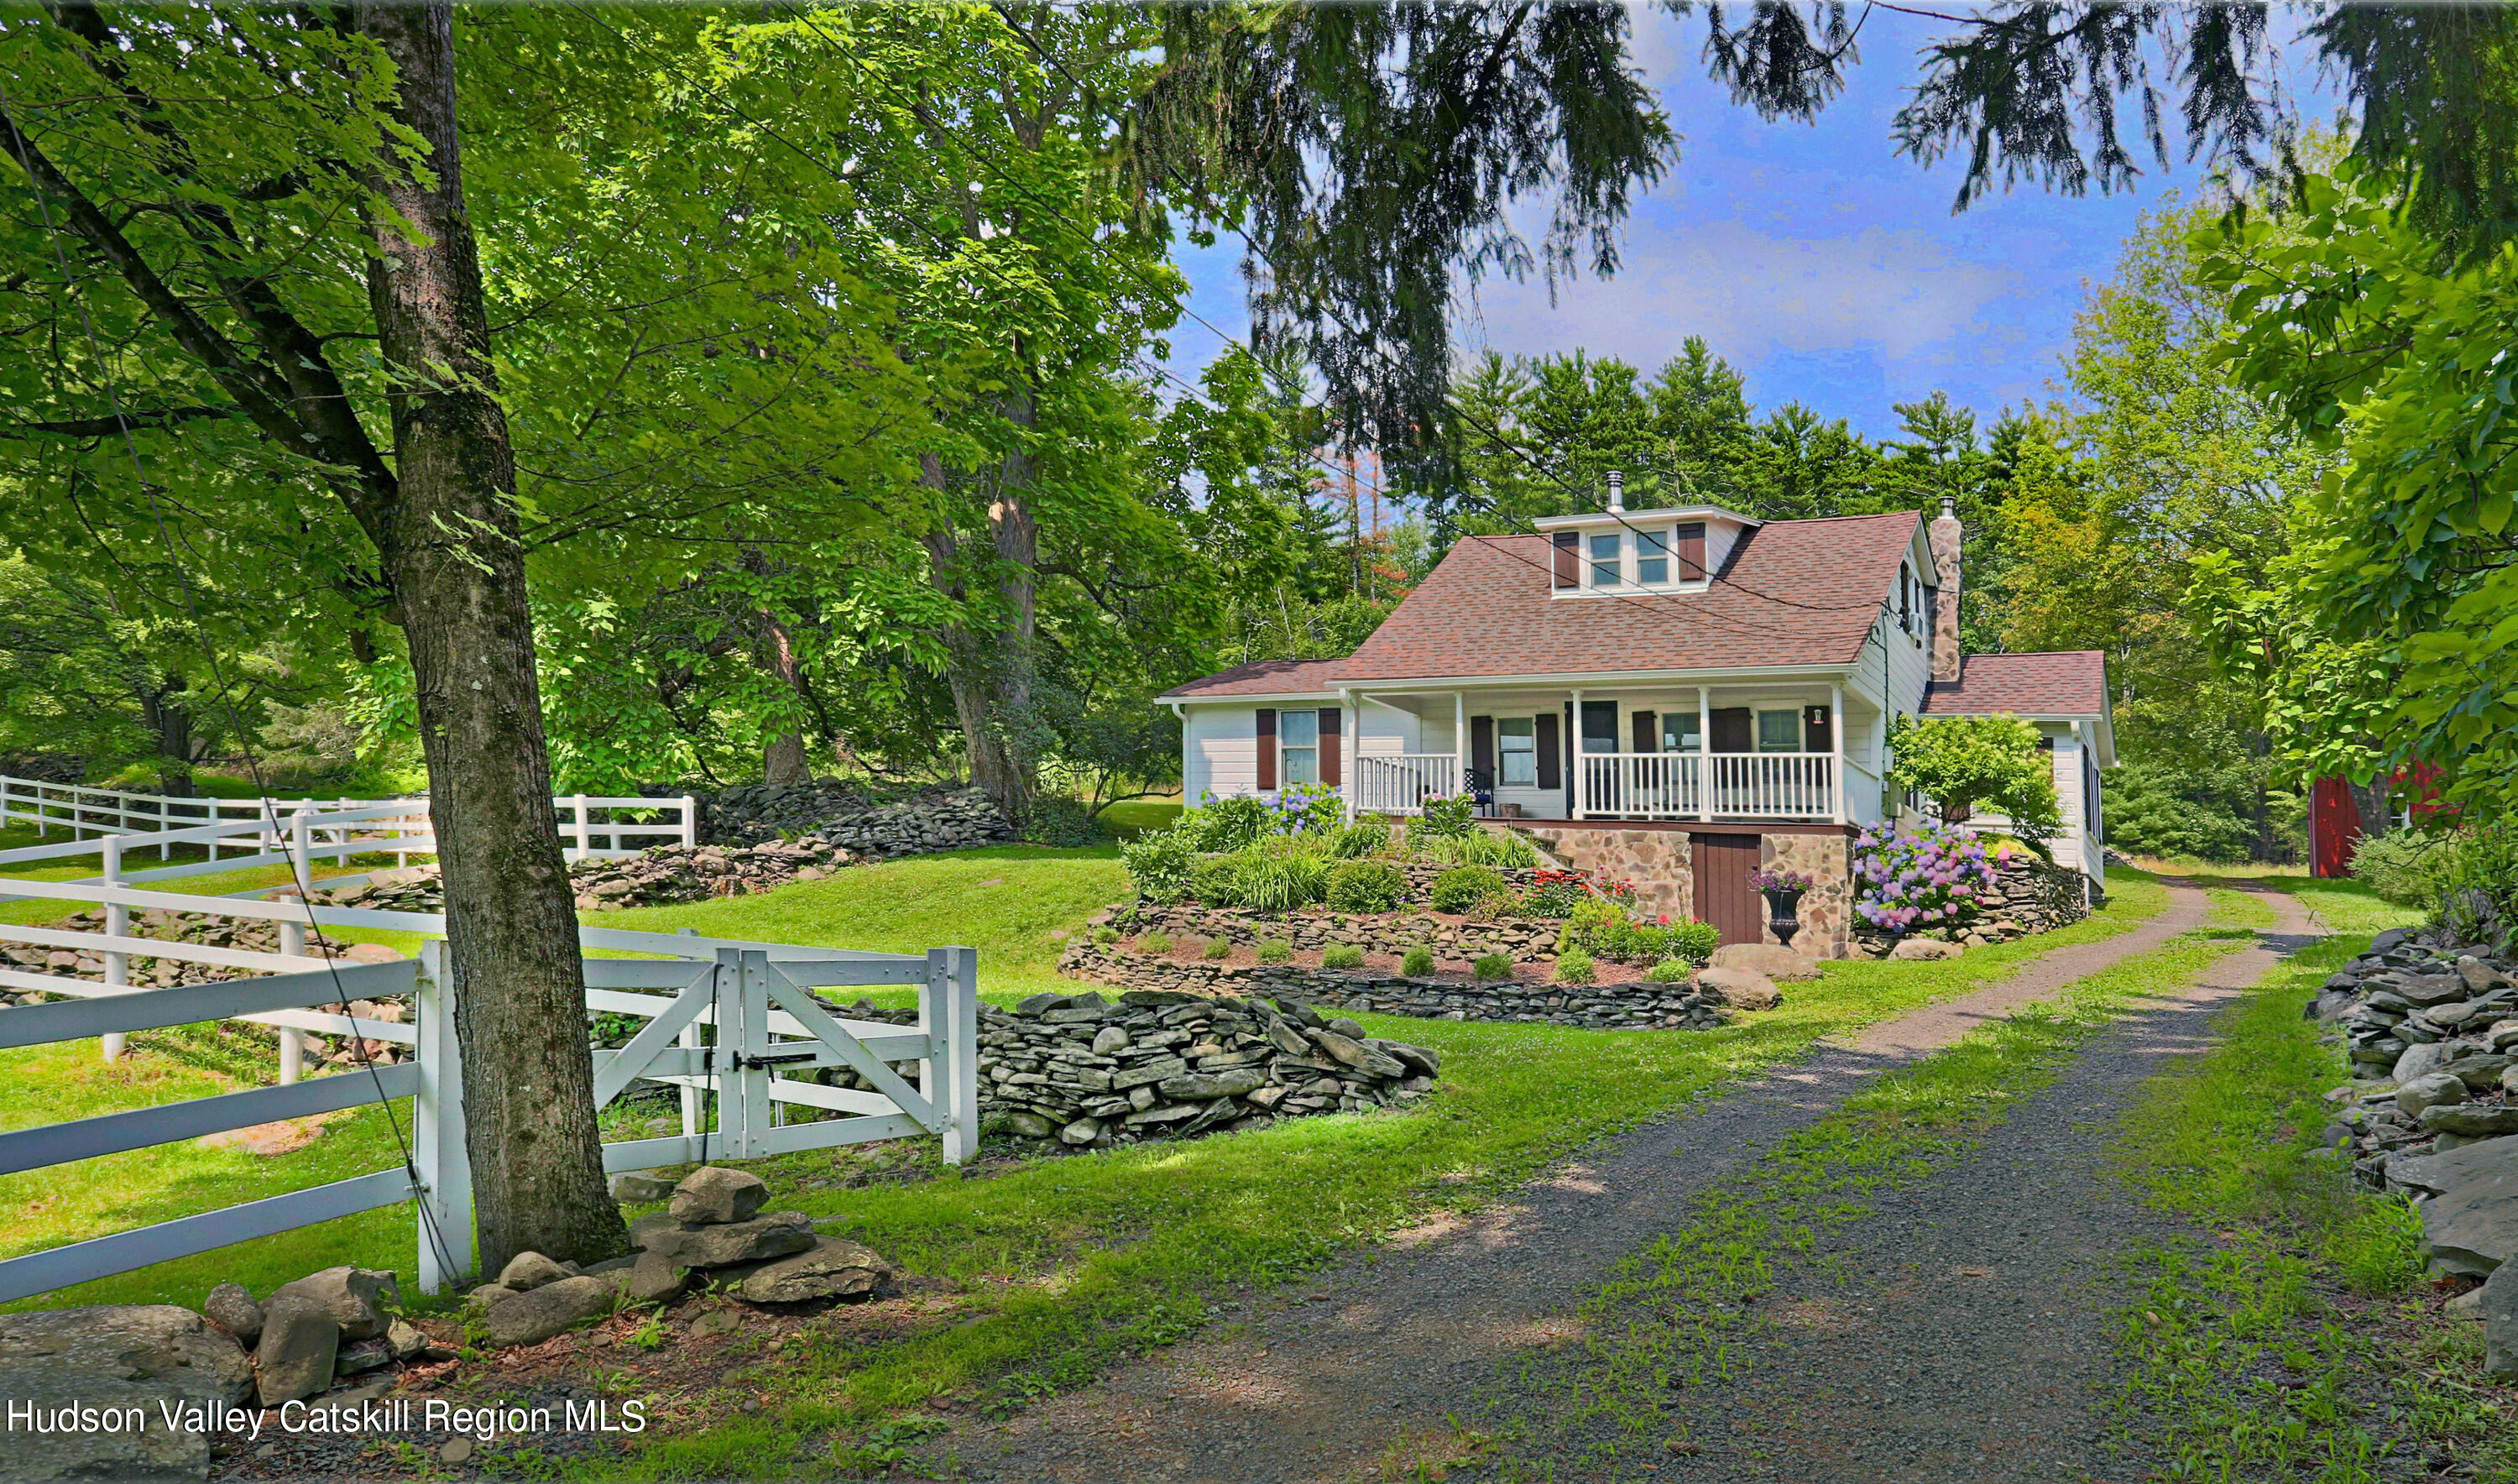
{"x":1647,"y":726}
{"x":1267,"y":747}
{"x":1544,"y":741}
{"x":1569,"y":559}
{"x":1691,"y":550}
{"x":1333,"y":748}
{"x":1482,"y":747}
{"x":1735,"y":729}
{"x":1818,"y":729}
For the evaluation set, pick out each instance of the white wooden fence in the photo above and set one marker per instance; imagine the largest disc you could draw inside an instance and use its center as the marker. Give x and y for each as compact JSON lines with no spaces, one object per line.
{"x":621,"y":823}
{"x":1399,"y":783}
{"x":728,"y":1017}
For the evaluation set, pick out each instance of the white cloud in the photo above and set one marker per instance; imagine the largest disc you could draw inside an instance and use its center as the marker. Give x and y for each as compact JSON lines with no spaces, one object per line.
{"x":1896,"y":292}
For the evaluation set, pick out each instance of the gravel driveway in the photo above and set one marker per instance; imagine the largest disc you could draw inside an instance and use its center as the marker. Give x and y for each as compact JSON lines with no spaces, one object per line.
{"x":1319,"y":1384}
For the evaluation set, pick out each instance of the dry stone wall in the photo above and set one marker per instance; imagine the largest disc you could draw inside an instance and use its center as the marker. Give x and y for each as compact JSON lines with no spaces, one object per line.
{"x":1448,"y":937}
{"x":936,"y":820}
{"x":2027,"y":896}
{"x":1169,"y":1064}
{"x":1636,"y":1006}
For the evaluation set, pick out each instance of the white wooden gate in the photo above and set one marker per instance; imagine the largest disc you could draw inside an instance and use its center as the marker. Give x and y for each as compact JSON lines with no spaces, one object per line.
{"x":724,"y":1018}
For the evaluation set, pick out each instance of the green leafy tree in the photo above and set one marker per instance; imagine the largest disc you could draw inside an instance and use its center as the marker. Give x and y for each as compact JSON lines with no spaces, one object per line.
{"x":1967,"y":763}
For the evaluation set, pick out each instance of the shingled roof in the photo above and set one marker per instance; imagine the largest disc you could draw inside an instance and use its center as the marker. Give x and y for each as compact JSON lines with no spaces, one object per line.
{"x":1264,"y":677}
{"x":2071,"y":682}
{"x":1792,"y":593}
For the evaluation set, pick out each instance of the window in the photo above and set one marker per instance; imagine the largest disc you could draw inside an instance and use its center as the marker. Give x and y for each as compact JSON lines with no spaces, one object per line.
{"x":1679,"y":732}
{"x":1516,"y":752}
{"x":1298,"y":747}
{"x":1779,"y":731}
{"x":1606,"y":569}
{"x":1905,"y":599}
{"x":1651,"y":557}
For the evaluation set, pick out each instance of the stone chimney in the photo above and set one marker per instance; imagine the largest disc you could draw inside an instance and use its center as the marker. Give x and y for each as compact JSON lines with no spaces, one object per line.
{"x":1946,"y":537}
{"x":1617,"y":489}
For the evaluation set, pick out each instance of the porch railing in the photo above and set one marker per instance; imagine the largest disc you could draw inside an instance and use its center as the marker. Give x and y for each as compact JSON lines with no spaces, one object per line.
{"x":1399,"y":783}
{"x":1743,"y":785}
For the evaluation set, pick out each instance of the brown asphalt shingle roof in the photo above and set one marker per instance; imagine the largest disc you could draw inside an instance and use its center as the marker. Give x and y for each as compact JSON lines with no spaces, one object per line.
{"x":1265,"y":678}
{"x":2071,"y":682}
{"x":1794,"y":592}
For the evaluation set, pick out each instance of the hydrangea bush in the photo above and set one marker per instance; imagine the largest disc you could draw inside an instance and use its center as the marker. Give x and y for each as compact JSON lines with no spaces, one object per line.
{"x":1931,"y":876}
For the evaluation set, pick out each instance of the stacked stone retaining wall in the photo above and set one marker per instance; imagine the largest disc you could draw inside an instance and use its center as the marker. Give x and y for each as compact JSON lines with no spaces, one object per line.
{"x":2027,"y":896}
{"x":1637,"y":1006}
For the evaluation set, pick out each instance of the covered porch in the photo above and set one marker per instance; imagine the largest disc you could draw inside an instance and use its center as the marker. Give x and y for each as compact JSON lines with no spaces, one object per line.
{"x":1749,"y":750}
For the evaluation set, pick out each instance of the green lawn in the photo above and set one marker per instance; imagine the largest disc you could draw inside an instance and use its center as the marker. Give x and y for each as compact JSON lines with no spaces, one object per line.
{"x":1060,"y":1265}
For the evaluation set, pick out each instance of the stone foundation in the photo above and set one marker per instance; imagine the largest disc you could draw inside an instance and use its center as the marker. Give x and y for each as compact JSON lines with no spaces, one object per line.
{"x":1662,"y":865}
{"x":1826,"y":910}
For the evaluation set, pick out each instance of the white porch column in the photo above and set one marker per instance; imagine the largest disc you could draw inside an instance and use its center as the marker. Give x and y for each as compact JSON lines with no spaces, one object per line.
{"x":1574,"y":772}
{"x":1704,"y":751}
{"x":1836,"y":738}
{"x":1460,"y":736}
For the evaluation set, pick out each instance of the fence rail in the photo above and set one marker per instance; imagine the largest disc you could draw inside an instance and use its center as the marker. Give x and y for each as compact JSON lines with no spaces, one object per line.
{"x":737,"y":1029}
{"x":1707,"y":785}
{"x":257,"y":825}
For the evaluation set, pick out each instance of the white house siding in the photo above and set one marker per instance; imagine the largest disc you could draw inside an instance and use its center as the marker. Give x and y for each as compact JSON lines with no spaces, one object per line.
{"x":1219,"y":751}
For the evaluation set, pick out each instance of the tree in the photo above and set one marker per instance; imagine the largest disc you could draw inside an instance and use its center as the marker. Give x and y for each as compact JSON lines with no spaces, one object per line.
{"x":289,"y":231}
{"x":1964,"y":763}
{"x":2383,"y":640}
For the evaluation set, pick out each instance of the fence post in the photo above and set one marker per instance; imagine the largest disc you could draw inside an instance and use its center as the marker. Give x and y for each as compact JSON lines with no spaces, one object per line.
{"x":292,"y":942}
{"x":690,"y":821}
{"x":165,"y":852}
{"x":948,"y":1011}
{"x":118,"y":923}
{"x":445,"y":1195}
{"x":694,"y":1108}
{"x":576,"y":806}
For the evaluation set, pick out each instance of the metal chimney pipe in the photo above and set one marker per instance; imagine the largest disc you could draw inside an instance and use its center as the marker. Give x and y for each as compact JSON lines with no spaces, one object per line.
{"x":1617,"y":489}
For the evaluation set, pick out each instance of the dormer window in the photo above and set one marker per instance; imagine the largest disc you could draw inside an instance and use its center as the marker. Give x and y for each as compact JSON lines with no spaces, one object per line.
{"x":1651,"y":557}
{"x":1606,"y":568}
{"x":1623,"y":552}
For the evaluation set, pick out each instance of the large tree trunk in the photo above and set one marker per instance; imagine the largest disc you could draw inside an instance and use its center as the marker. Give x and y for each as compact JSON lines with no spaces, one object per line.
{"x":992,"y":665}
{"x":170,"y":721}
{"x":782,"y":757}
{"x":458,"y":574}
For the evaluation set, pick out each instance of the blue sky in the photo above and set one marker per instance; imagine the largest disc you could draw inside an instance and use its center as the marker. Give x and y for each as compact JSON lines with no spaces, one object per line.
{"x":1821,"y":264}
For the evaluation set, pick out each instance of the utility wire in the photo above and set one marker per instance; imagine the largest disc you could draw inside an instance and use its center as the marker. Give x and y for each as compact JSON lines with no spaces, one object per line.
{"x":300,"y":873}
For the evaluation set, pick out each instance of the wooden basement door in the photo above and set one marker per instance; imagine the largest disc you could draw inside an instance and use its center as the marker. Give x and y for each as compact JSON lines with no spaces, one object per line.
{"x":1724,"y":896}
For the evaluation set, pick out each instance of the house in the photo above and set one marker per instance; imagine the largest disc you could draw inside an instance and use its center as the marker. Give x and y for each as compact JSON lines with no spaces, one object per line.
{"x":1676,"y":697}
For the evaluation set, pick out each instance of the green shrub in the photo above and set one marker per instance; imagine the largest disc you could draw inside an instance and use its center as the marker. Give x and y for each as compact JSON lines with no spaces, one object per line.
{"x":1276,"y":951}
{"x":2410,"y":869}
{"x":1221,"y":826}
{"x":1366,"y":886}
{"x":1368,"y":836}
{"x":1058,"y":820}
{"x":1341,"y":956}
{"x":1161,"y":863}
{"x":1478,"y":848}
{"x":1281,"y":875}
{"x":1670,"y":971}
{"x":1216,"y":880}
{"x":1462,"y":887}
{"x":1575,"y":967}
{"x":1219,"y":948}
{"x":1418,"y":963}
{"x":1154,"y":943}
{"x":1445,"y":818}
{"x":1493,"y":966}
{"x":1693,"y":941}
{"x":1105,"y":934}
{"x":1596,"y":927}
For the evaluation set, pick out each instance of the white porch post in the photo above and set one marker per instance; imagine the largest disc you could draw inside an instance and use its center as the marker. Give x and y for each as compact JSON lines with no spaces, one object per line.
{"x":1574,"y":772}
{"x":1704,"y":751}
{"x":1460,"y":740}
{"x":1350,"y":753}
{"x":1836,"y":739}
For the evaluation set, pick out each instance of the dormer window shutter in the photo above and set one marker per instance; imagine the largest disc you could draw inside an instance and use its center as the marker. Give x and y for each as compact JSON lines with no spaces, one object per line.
{"x":1690,"y":538}
{"x":1569,"y":559}
{"x":1267,"y":747}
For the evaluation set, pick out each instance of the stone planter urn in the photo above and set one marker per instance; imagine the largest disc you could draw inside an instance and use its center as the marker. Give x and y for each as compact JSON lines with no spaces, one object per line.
{"x":1783,"y":908}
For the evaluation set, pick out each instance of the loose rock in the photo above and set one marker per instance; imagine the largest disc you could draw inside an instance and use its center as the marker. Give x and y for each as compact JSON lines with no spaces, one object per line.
{"x":714,"y":1196}
{"x":301,"y":1343}
{"x":534,"y":1317}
